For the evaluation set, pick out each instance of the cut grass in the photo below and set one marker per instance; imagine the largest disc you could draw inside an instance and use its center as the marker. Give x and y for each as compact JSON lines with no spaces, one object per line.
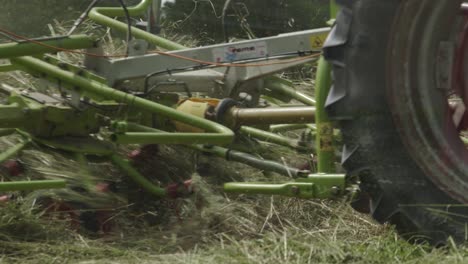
{"x":209,"y":227}
{"x":286,"y":231}
{"x":214,"y":228}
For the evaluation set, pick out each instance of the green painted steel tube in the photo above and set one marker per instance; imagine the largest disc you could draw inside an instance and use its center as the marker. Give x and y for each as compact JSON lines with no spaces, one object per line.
{"x":326,"y":153}
{"x":104,"y":16}
{"x":149,"y":131}
{"x":217,"y":151}
{"x":324,"y":136}
{"x":133,"y":127}
{"x":31,"y":185}
{"x":278,"y":85}
{"x":270,"y":137}
{"x":218,"y":134}
{"x":251,"y":160}
{"x":288,"y":127}
{"x":10,"y":50}
{"x":315,"y":186}
{"x":333,"y":9}
{"x":267,"y":165}
{"x":168,"y":138}
{"x":7,"y":154}
{"x":136,"y":10}
{"x":137,"y":177}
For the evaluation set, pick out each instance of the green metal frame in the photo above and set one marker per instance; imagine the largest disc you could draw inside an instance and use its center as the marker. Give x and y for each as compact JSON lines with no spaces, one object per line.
{"x":324,"y":184}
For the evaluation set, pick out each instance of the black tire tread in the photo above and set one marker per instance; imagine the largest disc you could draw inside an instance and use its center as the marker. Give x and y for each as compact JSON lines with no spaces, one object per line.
{"x":373,"y":150}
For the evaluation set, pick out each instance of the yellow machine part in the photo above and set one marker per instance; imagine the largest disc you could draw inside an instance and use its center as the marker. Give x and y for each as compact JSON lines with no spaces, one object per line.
{"x":197,"y":107}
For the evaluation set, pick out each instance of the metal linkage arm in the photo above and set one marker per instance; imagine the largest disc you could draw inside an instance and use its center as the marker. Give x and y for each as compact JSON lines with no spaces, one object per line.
{"x":315,"y":186}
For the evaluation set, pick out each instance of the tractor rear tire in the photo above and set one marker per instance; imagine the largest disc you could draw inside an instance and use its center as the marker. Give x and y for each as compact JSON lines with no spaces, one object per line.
{"x":376,"y":152}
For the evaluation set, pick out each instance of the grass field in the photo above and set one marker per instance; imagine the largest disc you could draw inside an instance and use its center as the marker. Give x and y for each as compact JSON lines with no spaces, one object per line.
{"x":222,"y":230}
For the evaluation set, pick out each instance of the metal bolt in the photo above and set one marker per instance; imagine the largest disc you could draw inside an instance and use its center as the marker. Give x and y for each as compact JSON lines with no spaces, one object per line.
{"x":335,"y":190}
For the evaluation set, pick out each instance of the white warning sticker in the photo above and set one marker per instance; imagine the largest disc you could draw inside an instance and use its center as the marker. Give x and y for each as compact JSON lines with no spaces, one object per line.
{"x":241,"y":52}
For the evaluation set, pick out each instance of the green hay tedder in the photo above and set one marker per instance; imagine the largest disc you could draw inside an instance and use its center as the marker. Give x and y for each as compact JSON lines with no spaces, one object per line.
{"x":391,"y":82}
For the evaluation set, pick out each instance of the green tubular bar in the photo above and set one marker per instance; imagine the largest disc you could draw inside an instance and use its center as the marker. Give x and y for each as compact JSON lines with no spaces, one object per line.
{"x":218,"y":134}
{"x":271,"y":137}
{"x":289,"y":189}
{"x":248,"y":159}
{"x":11,"y":50}
{"x":333,"y":8}
{"x":168,"y":138}
{"x":102,"y":15}
{"x":73,"y":68}
{"x":324,"y":136}
{"x":133,"y":127}
{"x":266,"y":165}
{"x":137,"y":177}
{"x":31,"y":185}
{"x":287,"y":127}
{"x":281,"y":86}
{"x":78,"y":146}
{"x":315,"y":186}
{"x":7,"y":154}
